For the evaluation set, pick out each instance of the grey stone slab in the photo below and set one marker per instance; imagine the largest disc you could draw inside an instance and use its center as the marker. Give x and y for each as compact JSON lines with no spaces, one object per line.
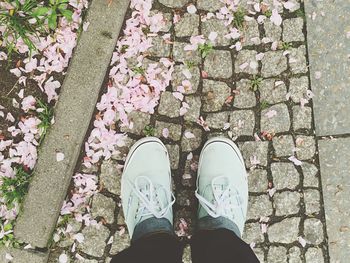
{"x":334,"y":160}
{"x":73,"y":113}
{"x":22,"y":256}
{"x":329,"y":56}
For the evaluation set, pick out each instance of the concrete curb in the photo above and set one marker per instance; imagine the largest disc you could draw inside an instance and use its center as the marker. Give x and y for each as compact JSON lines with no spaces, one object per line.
{"x":74,"y":110}
{"x":23,"y":256}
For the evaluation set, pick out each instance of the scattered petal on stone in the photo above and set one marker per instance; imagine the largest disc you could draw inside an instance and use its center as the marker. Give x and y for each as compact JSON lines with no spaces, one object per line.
{"x":8,"y":256}
{"x":59,"y":157}
{"x":190,"y":156}
{"x":63,"y":258}
{"x":288,"y":5}
{"x":191,"y":9}
{"x":295,"y":160}
{"x":189,"y":135}
{"x":302,"y":241}
{"x":212,"y":36}
{"x":165,"y":132}
{"x":86,"y":25}
{"x":270,"y":114}
{"x":318,"y":74}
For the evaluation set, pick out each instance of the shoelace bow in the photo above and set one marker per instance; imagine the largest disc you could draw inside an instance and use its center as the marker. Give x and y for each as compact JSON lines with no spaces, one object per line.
{"x":150,"y":203}
{"x":222,"y":204}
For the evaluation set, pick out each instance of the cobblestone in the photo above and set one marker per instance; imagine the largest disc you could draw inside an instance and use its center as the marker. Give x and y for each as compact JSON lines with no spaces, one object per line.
{"x":272,"y":31}
{"x":120,"y":242}
{"x":217,"y":120}
{"x":251,"y":34}
{"x":257,"y":181}
{"x":169,"y":105}
{"x":302,"y":117}
{"x":193,"y":112}
{"x":123,"y":150}
{"x":216,"y":25}
{"x":179,"y":77}
{"x":314,"y":255}
{"x":310,"y":175}
{"x":283,"y":145}
{"x":252,"y":233}
{"x":259,"y":253}
{"x":174,"y":154}
{"x":218,"y":64}
{"x":242,"y":122}
{"x":167,"y":19}
{"x":272,"y":91}
{"x":254,"y":152}
{"x":246,"y":97}
{"x":294,"y":255}
{"x":284,"y":175}
{"x":292,"y":224}
{"x":293,"y":30}
{"x":209,"y":5}
{"x":139,"y":120}
{"x":273,"y":64}
{"x":174,"y":130}
{"x":312,"y":201}
{"x":287,"y":203}
{"x":187,"y":26}
{"x":277,"y":254}
{"x":180,"y":55}
{"x":297,"y":60}
{"x":94,"y":240}
{"x":110,"y":177}
{"x":215,"y":94}
{"x":279,"y":122}
{"x":306,"y":147}
{"x":259,"y":206}
{"x":191,"y":144}
{"x":160,"y":47}
{"x":246,"y":62}
{"x":174,"y":3}
{"x":103,"y":206}
{"x":313,"y":230}
{"x":298,"y":88}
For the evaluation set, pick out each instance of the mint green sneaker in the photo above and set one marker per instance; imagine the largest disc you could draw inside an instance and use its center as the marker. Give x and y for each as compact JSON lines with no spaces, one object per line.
{"x":146,"y":183}
{"x":222,"y":187}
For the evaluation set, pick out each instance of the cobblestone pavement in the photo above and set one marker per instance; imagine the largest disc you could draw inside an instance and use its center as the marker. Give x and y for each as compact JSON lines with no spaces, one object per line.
{"x":269,"y":124}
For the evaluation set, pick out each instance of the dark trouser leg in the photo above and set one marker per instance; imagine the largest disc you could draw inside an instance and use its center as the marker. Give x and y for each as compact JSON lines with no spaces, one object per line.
{"x":155,"y":248}
{"x":220,"y":246}
{"x":153,"y":242}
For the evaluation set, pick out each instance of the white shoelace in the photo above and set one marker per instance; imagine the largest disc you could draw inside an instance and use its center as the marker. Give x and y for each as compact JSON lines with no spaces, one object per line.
{"x":150,"y":202}
{"x":222,"y":205}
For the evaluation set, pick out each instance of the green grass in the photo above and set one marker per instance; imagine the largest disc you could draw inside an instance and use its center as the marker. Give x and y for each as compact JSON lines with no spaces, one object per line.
{"x":255,"y":83}
{"x":300,"y":13}
{"x":190,"y":64}
{"x":264,"y":105}
{"x":205,"y":49}
{"x":46,"y":117}
{"x":149,"y":130}
{"x":238,"y":18}
{"x":138,"y":70}
{"x":17,"y":24}
{"x":286,"y":45}
{"x":27,"y":20}
{"x":14,"y":189}
{"x":268,"y":13}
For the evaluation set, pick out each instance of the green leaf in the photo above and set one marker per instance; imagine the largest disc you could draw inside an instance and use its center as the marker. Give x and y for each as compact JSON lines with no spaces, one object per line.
{"x":41,"y":11}
{"x":7,"y":227}
{"x":53,"y":20}
{"x":67,"y":14}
